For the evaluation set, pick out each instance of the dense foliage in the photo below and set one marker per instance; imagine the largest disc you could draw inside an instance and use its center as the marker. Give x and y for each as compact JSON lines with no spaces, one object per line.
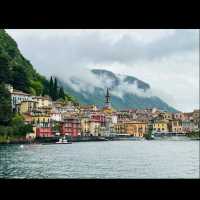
{"x":16,"y":127}
{"x":18,"y":71}
{"x":5,"y":105}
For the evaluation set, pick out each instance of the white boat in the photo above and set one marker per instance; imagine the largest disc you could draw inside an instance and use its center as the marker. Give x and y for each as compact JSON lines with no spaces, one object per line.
{"x":63,"y":141}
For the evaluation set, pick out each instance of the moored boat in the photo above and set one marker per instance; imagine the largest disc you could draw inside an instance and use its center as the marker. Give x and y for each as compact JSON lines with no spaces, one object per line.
{"x":63,"y":141}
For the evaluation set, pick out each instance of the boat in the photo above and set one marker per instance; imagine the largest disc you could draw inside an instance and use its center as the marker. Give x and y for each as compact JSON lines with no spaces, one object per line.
{"x":63,"y":141}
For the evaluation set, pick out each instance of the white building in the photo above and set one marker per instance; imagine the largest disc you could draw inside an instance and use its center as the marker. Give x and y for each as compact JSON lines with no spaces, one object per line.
{"x":18,"y":96}
{"x":114,"y":119}
{"x":56,"y":116}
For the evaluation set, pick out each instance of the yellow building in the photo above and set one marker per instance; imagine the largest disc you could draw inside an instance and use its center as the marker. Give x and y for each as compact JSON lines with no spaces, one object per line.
{"x":175,"y":126}
{"x":119,"y":128}
{"x":137,"y":129}
{"x":42,"y":101}
{"x":85,"y":126}
{"x":160,"y":126}
{"x":166,"y":115}
{"x":37,"y":119}
{"x":94,"y":127}
{"x":27,"y":106}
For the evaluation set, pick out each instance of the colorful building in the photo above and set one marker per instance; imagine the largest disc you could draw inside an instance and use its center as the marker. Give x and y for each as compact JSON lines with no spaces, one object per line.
{"x":17,"y":97}
{"x":175,"y":126}
{"x":178,"y":116}
{"x":94,"y":127}
{"x":196,"y":117}
{"x":56,"y":116}
{"x":70,"y":126}
{"x":119,"y":128}
{"x":188,"y":126}
{"x":136,"y":129}
{"x":161,"y":126}
{"x":85,"y":126}
{"x":26,"y":106}
{"x":100,"y":117}
{"x":42,"y":101}
{"x":42,"y":132}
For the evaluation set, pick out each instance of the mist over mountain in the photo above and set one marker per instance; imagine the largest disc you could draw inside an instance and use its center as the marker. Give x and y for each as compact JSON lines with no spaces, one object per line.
{"x":126,"y":91}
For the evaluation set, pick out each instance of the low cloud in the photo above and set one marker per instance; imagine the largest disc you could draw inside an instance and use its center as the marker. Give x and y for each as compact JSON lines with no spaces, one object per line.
{"x":150,"y":55}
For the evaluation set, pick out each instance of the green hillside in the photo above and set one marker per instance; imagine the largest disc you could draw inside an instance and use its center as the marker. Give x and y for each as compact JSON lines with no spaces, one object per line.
{"x":19,"y":72}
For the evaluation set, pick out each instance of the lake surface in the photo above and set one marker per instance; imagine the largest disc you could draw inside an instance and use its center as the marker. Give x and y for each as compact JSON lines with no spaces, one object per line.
{"x":110,"y":159}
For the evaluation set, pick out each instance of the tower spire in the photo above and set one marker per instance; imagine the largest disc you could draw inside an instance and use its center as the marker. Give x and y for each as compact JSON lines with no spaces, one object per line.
{"x":107,"y":99}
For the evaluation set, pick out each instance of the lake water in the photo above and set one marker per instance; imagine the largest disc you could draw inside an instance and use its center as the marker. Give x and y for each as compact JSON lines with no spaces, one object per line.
{"x":110,"y":159}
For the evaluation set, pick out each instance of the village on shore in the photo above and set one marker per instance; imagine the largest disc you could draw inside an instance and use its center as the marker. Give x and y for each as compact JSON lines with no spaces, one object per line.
{"x":51,"y":119}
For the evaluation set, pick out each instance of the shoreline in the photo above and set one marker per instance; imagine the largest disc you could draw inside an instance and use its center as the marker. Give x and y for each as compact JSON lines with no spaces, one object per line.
{"x":95,"y":139}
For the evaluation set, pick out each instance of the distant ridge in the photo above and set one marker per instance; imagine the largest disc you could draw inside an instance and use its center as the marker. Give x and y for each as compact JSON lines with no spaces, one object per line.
{"x":115,"y":81}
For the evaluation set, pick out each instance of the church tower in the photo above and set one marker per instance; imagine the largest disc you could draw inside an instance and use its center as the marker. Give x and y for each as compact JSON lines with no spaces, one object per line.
{"x":107,"y":100}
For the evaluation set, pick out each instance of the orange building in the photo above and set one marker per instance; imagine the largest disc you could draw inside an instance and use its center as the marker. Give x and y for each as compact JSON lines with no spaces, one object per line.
{"x":137,"y":129}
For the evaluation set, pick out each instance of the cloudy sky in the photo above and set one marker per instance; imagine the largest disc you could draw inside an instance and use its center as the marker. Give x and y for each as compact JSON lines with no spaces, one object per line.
{"x":166,"y":59}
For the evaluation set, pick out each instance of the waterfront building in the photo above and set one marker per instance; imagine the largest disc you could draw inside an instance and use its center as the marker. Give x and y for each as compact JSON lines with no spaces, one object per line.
{"x":188,"y":126}
{"x":137,"y":129}
{"x":175,"y":126}
{"x":85,"y":126}
{"x":178,"y":116}
{"x":188,"y":116}
{"x":37,"y":119}
{"x":114,"y":119}
{"x":94,"y":127}
{"x":119,"y":128}
{"x":161,"y":126}
{"x":42,"y":132}
{"x":196,"y":117}
{"x":70,"y":126}
{"x":100,"y":117}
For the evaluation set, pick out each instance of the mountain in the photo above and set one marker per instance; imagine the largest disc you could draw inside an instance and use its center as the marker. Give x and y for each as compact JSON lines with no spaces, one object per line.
{"x":126,"y":91}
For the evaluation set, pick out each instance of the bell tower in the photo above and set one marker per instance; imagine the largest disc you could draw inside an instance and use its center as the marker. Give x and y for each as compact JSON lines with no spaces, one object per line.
{"x":107,"y":99}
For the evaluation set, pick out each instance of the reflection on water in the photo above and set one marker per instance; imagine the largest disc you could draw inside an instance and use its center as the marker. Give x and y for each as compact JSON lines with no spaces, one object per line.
{"x":113,"y":159}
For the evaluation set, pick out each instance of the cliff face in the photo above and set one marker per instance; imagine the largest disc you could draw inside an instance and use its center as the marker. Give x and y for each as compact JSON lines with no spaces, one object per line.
{"x":126,"y":91}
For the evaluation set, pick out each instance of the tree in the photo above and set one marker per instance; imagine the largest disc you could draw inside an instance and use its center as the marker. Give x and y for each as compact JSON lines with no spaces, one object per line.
{"x":5,"y":105}
{"x":20,"y":79}
{"x":61,"y":93}
{"x":51,"y":87}
{"x":55,"y":90}
{"x":17,"y":120}
{"x":38,"y":87}
{"x":4,"y":69}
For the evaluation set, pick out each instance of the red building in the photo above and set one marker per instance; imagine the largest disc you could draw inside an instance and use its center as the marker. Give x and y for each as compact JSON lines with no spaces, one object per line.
{"x":70,"y":126}
{"x":99,"y":118}
{"x":44,"y":132}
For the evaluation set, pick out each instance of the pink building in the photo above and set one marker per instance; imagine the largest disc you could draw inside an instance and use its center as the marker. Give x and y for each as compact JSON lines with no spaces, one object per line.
{"x":70,"y":126}
{"x":98,"y":117}
{"x":44,"y":132}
